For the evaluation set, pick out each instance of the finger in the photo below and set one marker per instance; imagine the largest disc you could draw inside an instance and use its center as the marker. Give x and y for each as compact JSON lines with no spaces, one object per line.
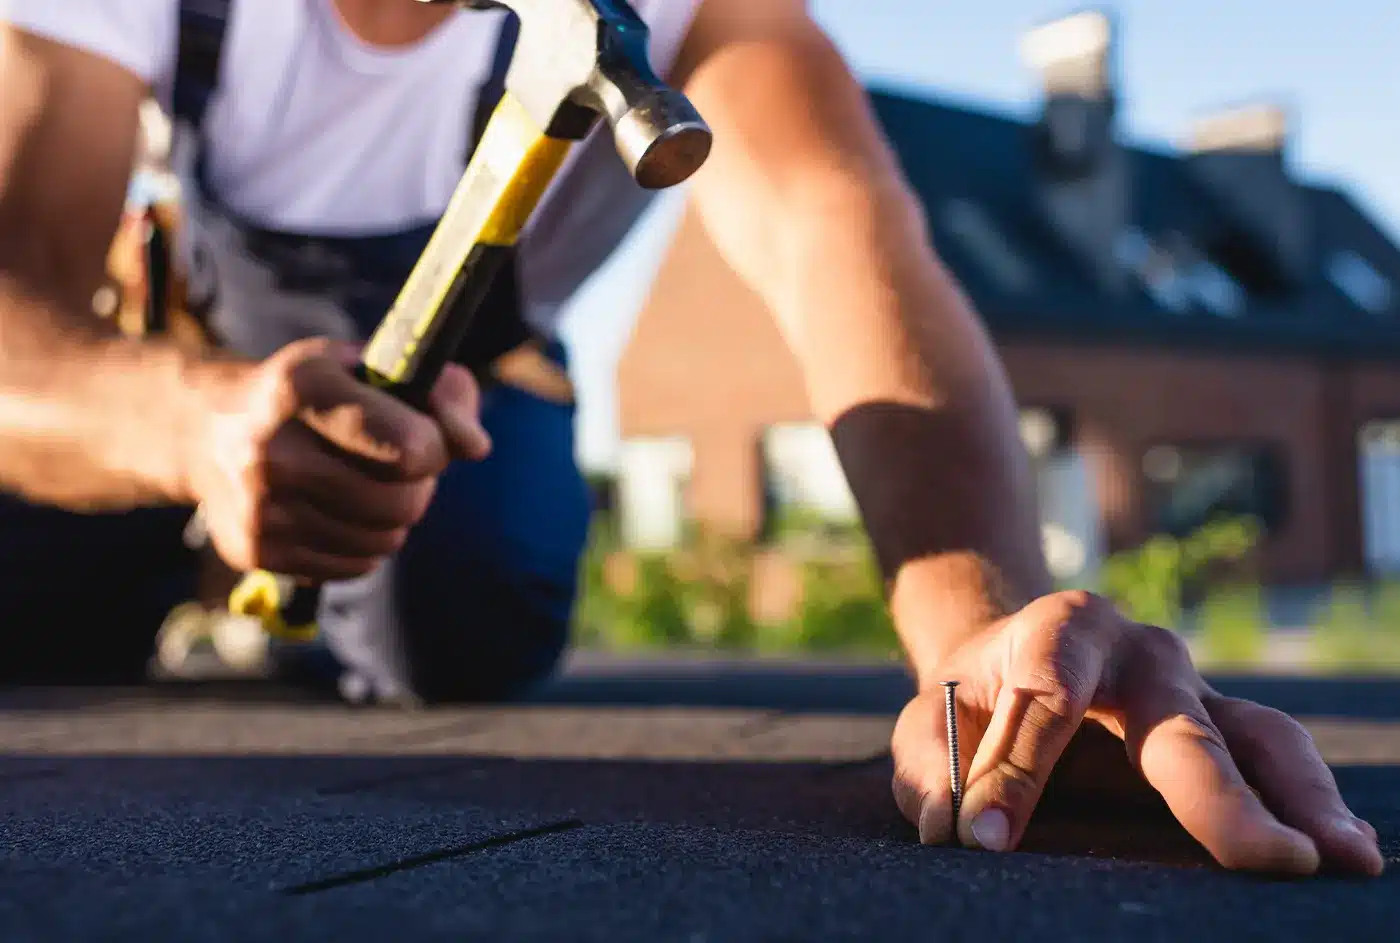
{"x":456,"y":402}
{"x":300,"y":522}
{"x":1057,"y":660}
{"x":923,"y":789}
{"x":1280,"y":759}
{"x":391,"y":439}
{"x":299,"y":465}
{"x":1182,"y":754}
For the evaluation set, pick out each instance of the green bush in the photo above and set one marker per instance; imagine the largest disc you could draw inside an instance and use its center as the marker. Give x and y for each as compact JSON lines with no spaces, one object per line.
{"x":699,"y":594}
{"x":1341,"y":638}
{"x":1232,"y":626}
{"x":1151,"y":582}
{"x":716,"y":594}
{"x":843,"y":608}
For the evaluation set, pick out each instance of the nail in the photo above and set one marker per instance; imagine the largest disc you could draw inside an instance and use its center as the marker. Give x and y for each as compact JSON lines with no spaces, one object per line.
{"x":950,"y":704}
{"x":992,"y":829}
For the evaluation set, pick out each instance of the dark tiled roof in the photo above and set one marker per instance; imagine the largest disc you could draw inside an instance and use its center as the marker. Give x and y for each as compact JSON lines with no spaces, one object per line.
{"x":953,"y":153}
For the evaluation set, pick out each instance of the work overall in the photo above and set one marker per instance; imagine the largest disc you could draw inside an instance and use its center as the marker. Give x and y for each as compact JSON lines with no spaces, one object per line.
{"x":477,"y":603}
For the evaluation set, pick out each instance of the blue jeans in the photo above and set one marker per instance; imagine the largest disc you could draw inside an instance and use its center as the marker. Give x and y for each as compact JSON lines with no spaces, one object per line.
{"x":476,"y":606}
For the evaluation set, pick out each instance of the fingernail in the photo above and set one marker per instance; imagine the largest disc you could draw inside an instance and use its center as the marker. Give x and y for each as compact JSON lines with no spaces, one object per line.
{"x":991,"y":829}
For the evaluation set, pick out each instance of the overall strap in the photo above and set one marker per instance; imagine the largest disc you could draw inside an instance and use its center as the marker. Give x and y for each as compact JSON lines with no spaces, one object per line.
{"x":198,"y":57}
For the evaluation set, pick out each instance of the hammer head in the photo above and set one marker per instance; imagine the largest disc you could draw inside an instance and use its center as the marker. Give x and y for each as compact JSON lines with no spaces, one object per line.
{"x":580,"y":60}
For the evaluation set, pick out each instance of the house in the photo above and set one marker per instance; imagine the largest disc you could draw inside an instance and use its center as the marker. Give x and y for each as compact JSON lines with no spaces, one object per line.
{"x":1187,"y":331}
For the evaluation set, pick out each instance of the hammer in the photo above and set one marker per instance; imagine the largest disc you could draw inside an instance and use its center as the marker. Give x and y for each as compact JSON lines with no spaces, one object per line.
{"x":575,"y":61}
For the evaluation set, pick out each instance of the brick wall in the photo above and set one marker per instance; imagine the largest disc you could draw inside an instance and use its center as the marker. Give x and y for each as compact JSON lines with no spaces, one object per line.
{"x":706,"y":362}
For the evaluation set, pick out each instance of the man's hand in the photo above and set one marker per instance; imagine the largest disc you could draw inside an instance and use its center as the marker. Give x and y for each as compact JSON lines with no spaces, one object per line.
{"x":1244,"y":780}
{"x":303,"y":470}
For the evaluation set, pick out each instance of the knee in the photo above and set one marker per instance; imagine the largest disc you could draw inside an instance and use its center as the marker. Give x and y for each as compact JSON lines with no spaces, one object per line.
{"x":477,"y":632}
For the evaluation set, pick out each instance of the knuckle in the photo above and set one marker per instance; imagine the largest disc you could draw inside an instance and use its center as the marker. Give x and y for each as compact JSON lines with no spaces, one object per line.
{"x":278,"y":392}
{"x":405,"y":505}
{"x":1290,"y":726}
{"x":1193,"y":722}
{"x":420,"y":448}
{"x":1014,"y":784}
{"x":1282,"y":728}
{"x":1061,"y":701}
{"x":1080,"y":605}
{"x":1163,"y":645}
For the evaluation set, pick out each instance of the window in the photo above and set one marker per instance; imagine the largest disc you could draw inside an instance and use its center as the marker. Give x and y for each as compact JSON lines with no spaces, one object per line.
{"x":1189,"y":486}
{"x":652,"y":477}
{"x":979,"y":235}
{"x":1355,"y":278}
{"x":1045,"y":431}
{"x":805,"y":487}
{"x":1067,"y":495}
{"x":1215,"y":289}
{"x":1154,"y":267}
{"x":1378,"y":473}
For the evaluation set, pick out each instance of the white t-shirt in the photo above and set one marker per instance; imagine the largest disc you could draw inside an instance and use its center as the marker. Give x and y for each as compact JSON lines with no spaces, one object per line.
{"x":312,"y":131}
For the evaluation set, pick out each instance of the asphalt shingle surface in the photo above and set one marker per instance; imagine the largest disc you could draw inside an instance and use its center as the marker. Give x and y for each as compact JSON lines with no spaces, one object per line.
{"x":630,"y":801}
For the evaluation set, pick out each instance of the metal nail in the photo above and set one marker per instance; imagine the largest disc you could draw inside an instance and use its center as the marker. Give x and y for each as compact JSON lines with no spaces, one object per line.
{"x":954,"y":764}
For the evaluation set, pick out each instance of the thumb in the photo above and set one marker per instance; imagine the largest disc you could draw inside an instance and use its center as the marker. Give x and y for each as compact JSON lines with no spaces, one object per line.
{"x":1052,"y":683}
{"x":456,"y":404}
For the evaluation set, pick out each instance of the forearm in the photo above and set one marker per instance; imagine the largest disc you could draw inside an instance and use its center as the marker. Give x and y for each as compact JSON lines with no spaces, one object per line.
{"x":920,"y":410}
{"x":806,"y":201}
{"x":89,"y":420}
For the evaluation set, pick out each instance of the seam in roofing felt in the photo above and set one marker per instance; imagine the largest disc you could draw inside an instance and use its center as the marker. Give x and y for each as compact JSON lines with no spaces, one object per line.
{"x":432,"y":857}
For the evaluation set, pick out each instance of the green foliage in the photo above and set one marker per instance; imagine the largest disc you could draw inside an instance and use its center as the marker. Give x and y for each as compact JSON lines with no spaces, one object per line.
{"x":1150,"y":582}
{"x":795,"y":524}
{"x":843,"y":607}
{"x":1146,"y":582}
{"x":716,"y":597}
{"x":1359,"y":632}
{"x":699,"y":596}
{"x":1233,"y":622}
{"x":1341,"y":634}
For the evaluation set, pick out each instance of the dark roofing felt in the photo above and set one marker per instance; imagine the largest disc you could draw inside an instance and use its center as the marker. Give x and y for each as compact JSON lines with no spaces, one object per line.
{"x":647,"y":801}
{"x":959,"y":152}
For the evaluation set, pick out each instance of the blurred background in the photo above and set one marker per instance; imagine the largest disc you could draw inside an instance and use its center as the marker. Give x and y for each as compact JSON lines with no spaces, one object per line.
{"x":1181,"y":224}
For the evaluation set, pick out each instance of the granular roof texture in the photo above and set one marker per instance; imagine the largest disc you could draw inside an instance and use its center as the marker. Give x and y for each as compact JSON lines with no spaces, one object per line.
{"x":678,"y":800}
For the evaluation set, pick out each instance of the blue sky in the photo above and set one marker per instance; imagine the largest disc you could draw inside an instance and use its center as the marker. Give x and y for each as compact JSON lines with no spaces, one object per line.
{"x":1335,"y":64}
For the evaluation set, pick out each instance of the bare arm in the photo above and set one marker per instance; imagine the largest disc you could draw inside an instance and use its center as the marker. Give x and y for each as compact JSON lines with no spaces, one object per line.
{"x":88,"y":418}
{"x":804,"y":199}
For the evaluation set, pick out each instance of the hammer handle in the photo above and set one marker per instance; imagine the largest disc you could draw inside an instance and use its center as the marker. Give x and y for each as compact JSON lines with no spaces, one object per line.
{"x":509,"y":172}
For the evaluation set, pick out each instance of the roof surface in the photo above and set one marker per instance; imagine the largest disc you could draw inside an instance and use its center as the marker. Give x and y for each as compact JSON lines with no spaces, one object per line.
{"x":986,"y":161}
{"x":645,"y":801}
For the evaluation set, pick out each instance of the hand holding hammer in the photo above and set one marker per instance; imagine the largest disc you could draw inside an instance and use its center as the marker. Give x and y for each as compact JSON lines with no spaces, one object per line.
{"x":576,"y":62}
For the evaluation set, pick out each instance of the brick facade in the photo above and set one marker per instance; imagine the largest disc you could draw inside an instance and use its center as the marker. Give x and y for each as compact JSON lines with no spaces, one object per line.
{"x":705,"y":362}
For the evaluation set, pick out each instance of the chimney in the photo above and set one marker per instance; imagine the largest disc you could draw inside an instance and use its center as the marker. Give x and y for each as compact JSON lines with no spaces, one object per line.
{"x":1239,"y":157}
{"x":1082,"y":173}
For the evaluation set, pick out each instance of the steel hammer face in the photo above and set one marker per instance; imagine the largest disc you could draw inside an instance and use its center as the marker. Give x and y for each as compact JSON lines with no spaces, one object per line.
{"x":580,"y":60}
